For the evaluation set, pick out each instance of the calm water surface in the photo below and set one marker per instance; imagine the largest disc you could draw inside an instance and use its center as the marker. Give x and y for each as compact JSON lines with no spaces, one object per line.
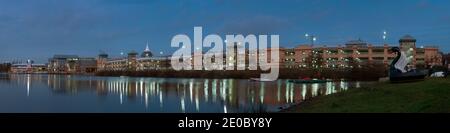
{"x":69,"y":93}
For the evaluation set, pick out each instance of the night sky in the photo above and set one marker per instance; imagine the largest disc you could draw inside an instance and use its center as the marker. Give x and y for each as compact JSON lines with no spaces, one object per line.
{"x":38,"y":29}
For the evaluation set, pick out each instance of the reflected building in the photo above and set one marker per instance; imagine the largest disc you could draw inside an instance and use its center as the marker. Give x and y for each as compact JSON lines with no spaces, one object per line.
{"x":182,"y":95}
{"x":238,"y":96}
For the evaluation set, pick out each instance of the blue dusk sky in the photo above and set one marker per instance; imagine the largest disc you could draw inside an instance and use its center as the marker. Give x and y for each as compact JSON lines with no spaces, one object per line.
{"x":38,"y":29}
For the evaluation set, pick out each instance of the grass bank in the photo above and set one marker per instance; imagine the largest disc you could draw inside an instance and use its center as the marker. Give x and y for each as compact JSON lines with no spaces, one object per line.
{"x":429,"y":96}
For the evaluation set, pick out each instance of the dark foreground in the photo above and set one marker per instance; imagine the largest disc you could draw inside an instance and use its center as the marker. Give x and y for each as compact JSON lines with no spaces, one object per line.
{"x":429,"y":96}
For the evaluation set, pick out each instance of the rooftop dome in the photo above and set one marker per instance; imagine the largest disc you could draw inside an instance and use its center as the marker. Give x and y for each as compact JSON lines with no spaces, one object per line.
{"x":407,"y":38}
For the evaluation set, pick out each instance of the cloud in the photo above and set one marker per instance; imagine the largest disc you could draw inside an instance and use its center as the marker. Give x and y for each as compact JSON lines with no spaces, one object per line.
{"x":255,"y":25}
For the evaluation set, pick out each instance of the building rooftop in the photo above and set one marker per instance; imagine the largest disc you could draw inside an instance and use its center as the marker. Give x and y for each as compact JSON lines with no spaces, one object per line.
{"x":65,"y":56}
{"x":359,"y":43}
{"x":407,"y":38}
{"x":132,"y":52}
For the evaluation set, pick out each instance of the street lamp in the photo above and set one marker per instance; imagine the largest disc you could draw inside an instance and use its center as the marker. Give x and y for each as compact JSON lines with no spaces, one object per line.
{"x":384,"y":36}
{"x":312,"y":38}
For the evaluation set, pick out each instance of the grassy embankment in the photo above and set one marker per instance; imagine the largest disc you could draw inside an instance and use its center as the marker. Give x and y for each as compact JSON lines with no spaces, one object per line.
{"x":429,"y":96}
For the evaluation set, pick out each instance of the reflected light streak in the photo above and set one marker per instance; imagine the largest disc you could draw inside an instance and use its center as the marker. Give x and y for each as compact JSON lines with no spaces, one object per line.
{"x":205,"y":89}
{"x":230,"y":90}
{"x":304,"y":91}
{"x":28,"y":84}
{"x":261,"y":93}
{"x":146,"y":98}
{"x":225,"y":109}
{"x":214,"y":90}
{"x":182,"y":104}
{"x":315,"y":88}
{"x":358,"y":84}
{"x":279,"y":90}
{"x":286,"y":95}
{"x":121,"y":99}
{"x":196,"y":99}
{"x":191,"y":87}
{"x":160,"y":99}
{"x":292,"y":93}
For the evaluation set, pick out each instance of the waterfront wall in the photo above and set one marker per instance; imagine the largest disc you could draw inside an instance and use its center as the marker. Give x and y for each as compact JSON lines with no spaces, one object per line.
{"x":369,"y":72}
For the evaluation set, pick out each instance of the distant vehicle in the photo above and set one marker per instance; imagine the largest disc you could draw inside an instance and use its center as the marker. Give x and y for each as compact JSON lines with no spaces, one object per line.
{"x":438,"y":71}
{"x":438,"y":74}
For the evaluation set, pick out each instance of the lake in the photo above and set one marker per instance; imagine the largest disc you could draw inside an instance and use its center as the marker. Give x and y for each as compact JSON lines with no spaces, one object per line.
{"x":41,"y":93}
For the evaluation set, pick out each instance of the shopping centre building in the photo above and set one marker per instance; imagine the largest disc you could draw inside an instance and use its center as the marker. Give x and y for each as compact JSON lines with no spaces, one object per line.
{"x":302,"y":56}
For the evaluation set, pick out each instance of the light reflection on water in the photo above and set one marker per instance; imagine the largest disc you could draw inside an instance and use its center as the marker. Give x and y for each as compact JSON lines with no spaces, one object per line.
{"x":69,"y":93}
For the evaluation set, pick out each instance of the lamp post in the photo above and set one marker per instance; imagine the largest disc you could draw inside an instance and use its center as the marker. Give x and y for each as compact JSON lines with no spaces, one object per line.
{"x":384,"y":36}
{"x":312,"y":38}
{"x":315,"y":55}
